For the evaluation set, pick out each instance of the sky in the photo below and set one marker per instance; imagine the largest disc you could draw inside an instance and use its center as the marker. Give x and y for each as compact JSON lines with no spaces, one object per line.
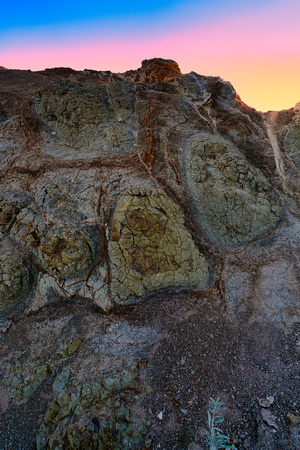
{"x":254,"y":44}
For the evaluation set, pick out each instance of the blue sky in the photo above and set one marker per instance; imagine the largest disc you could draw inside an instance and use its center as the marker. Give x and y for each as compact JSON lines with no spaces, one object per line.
{"x":254,"y":44}
{"x":33,"y":13}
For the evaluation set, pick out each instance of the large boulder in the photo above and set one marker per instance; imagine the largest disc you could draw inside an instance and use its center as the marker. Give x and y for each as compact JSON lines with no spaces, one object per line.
{"x":149,"y":242}
{"x":233,"y":201}
{"x":150,"y":248}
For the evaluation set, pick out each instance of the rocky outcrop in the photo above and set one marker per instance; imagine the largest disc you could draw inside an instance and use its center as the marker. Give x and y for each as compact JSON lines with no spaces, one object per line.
{"x":153,"y":71}
{"x":89,"y":116}
{"x":100,"y":407}
{"x":142,"y":213}
{"x":150,"y":248}
{"x":16,"y":279}
{"x":234,"y":202}
{"x":293,"y":139}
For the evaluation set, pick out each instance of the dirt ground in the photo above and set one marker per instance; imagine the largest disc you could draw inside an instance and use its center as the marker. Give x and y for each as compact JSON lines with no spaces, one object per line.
{"x":202,"y":352}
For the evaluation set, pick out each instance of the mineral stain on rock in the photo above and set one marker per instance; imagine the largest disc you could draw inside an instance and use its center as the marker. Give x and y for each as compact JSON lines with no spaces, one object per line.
{"x":94,"y":117}
{"x":233,"y":201}
{"x":150,"y":248}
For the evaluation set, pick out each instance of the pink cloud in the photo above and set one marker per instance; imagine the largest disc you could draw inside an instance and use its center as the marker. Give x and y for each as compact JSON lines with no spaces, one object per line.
{"x":254,"y":52}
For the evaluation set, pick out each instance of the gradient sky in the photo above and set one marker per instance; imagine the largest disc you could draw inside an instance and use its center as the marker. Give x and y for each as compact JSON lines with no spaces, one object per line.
{"x":254,"y":44}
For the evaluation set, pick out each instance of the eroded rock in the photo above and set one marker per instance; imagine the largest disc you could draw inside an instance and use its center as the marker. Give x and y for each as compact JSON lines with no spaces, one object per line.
{"x":69,"y":252}
{"x":150,"y":248}
{"x":29,"y":228}
{"x":69,"y":196}
{"x":95,"y":410}
{"x":15,"y":280}
{"x":8,"y":212}
{"x":154,"y":70}
{"x":110,"y":184}
{"x":94,"y":117}
{"x":293,"y":143}
{"x":233,"y":201}
{"x":277,"y":287}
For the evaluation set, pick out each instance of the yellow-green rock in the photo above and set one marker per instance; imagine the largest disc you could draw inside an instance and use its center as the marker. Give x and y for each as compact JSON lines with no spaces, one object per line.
{"x":150,"y":248}
{"x":94,"y":117}
{"x":67,"y":253}
{"x":232,"y":200}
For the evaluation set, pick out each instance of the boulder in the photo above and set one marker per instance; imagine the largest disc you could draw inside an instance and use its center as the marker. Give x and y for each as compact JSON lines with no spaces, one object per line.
{"x":233,"y":201}
{"x":150,"y":248}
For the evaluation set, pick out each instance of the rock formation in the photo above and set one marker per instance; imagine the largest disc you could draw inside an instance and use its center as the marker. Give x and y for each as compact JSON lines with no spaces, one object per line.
{"x":119,"y":191}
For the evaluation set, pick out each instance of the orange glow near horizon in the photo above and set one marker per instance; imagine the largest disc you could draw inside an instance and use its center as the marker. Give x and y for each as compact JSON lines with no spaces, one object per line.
{"x":262,"y":83}
{"x":257,"y":52}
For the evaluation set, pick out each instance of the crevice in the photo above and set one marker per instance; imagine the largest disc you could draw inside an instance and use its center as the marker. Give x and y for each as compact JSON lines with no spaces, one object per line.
{"x":269,"y":123}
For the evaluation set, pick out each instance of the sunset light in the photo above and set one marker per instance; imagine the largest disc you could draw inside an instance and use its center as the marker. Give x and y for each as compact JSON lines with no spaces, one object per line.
{"x":254,"y":45}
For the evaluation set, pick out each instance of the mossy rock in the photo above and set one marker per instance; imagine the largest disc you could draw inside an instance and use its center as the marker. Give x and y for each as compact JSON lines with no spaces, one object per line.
{"x":150,"y":248}
{"x":232,"y":200}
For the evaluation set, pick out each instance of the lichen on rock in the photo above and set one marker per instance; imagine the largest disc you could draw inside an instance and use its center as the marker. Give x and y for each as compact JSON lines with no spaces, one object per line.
{"x":94,"y":409}
{"x":100,"y":117}
{"x":232,"y":200}
{"x":15,"y":280}
{"x":150,"y":248}
{"x":68,"y":252}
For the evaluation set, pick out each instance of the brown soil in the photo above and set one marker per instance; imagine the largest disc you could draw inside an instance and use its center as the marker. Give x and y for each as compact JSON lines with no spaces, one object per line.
{"x":201,"y":353}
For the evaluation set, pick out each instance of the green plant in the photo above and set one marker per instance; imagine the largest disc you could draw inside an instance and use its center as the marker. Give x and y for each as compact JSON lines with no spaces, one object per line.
{"x":214,"y":436}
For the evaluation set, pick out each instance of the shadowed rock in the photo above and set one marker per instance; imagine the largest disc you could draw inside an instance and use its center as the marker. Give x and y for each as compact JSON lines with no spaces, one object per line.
{"x":15,"y":280}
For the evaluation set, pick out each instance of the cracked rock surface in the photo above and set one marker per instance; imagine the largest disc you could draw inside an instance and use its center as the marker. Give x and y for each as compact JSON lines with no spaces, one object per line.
{"x":233,"y":200}
{"x":15,"y":280}
{"x":150,"y":248}
{"x":149,"y":260}
{"x":89,"y":116}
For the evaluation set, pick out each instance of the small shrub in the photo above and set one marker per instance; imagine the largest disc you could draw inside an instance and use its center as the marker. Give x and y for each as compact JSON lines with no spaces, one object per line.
{"x":214,"y":436}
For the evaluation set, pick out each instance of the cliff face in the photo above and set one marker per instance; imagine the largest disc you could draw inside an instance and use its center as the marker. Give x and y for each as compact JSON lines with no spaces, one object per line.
{"x":119,"y":194}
